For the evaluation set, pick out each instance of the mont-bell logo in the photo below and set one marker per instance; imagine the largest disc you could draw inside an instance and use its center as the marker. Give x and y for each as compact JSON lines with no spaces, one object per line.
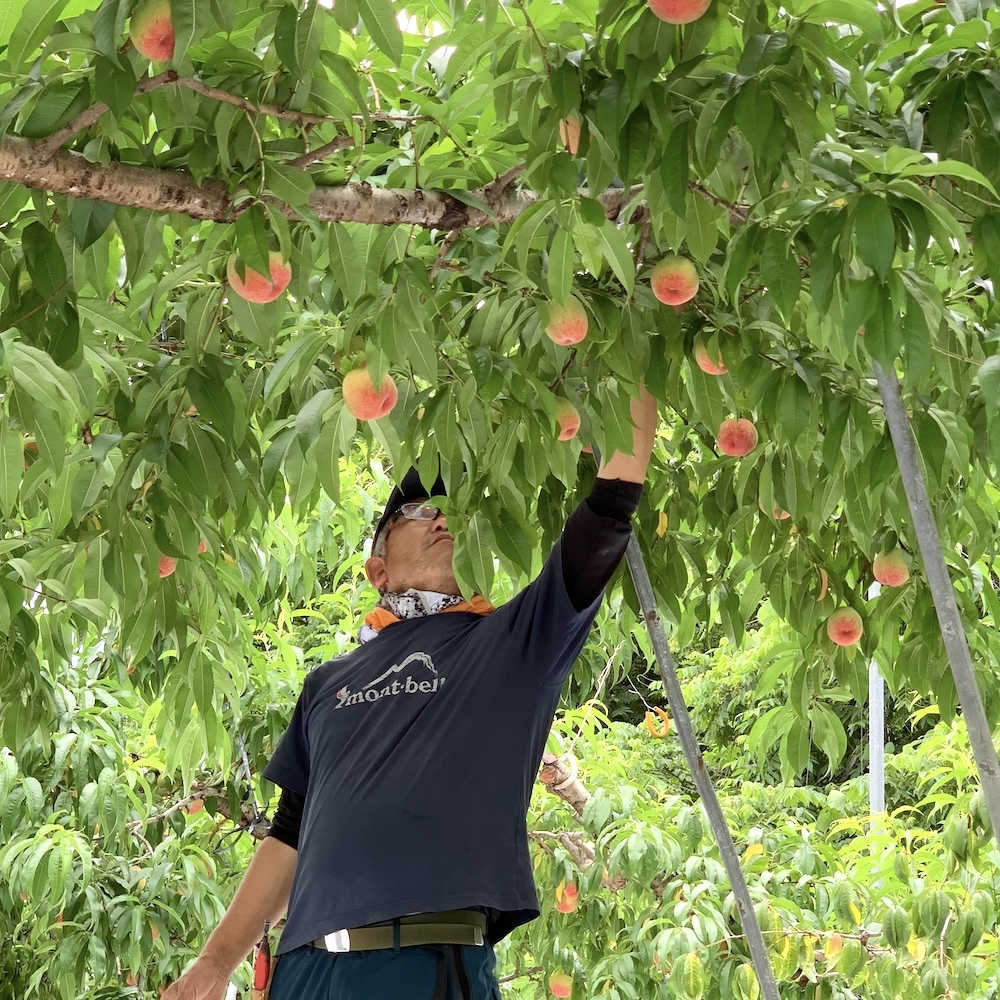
{"x":423,"y":678}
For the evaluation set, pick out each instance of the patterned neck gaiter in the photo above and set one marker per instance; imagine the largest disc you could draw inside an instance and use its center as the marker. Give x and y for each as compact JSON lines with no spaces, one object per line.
{"x":415,"y":603}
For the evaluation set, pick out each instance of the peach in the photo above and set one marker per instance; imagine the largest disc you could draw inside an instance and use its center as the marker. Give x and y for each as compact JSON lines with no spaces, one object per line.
{"x":890,"y":568}
{"x":152,"y":30}
{"x":362,"y":398}
{"x":569,"y":132}
{"x":678,"y":11}
{"x":737,"y":437}
{"x":560,"y":984}
{"x":167,"y":565}
{"x":708,"y":365}
{"x":674,"y":281}
{"x":202,"y":546}
{"x":567,"y":322}
{"x":844,"y":627}
{"x":255,"y":287}
{"x":567,"y":897}
{"x":568,"y":418}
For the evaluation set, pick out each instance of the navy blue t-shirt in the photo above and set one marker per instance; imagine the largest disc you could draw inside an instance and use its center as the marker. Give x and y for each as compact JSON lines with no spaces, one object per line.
{"x":417,"y":753}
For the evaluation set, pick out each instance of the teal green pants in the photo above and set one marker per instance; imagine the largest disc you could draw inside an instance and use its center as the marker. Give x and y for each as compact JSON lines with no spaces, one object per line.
{"x":417,"y":972}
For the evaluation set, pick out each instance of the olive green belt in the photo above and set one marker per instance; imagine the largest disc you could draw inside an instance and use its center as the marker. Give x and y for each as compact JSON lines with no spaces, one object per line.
{"x":449,"y":927}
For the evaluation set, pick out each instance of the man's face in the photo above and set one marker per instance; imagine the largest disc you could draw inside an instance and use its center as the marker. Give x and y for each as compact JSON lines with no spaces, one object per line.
{"x":417,"y":554}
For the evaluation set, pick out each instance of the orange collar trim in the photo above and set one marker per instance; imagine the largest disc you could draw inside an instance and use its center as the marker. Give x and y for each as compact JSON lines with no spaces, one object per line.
{"x":380,"y":617}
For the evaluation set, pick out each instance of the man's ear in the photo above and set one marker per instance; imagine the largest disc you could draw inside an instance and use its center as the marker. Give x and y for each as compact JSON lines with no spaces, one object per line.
{"x":376,"y":572}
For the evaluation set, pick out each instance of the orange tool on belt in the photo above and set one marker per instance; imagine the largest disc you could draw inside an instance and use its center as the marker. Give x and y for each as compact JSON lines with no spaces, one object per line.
{"x":261,"y":966}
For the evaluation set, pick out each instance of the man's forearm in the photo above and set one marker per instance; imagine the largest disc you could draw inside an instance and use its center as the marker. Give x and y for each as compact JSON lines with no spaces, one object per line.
{"x":632,"y":468}
{"x":263,"y":895}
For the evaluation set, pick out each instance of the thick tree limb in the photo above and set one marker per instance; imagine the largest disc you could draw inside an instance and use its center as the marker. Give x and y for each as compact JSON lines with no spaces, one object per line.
{"x":164,"y":190}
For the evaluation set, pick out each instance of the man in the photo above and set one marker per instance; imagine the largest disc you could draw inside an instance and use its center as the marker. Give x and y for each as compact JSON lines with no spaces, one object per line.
{"x":399,"y":847}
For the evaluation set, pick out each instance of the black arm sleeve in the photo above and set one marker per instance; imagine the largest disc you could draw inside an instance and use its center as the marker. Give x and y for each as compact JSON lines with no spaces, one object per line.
{"x":595,"y":538}
{"x":287,"y":818}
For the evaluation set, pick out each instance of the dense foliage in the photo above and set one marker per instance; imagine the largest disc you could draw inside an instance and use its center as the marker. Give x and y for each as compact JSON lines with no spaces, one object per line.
{"x":831,"y":170}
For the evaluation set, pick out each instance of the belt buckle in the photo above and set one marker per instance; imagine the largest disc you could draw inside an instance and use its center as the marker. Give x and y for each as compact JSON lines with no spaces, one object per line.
{"x":337,"y":941}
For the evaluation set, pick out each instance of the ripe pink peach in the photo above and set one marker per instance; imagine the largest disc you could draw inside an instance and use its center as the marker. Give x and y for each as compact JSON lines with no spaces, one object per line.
{"x":363,"y":400}
{"x":255,"y":287}
{"x":844,"y":627}
{"x":167,"y":565}
{"x":567,"y":322}
{"x":706,"y":363}
{"x":560,"y":984}
{"x":890,"y":568}
{"x":569,"y":132}
{"x":678,"y":11}
{"x":567,"y":897}
{"x":737,"y":437}
{"x":674,"y":281}
{"x":569,"y":419}
{"x":152,"y":30}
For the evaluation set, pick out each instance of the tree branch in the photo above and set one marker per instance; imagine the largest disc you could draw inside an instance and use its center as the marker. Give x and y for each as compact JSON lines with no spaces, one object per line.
{"x":167,"y":190}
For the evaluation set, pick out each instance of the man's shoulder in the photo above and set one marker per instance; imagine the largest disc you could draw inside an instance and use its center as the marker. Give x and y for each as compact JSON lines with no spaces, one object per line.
{"x":321,"y":671}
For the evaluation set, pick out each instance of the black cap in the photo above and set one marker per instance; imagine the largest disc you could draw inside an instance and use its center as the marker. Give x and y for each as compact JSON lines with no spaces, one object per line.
{"x":408,"y":491}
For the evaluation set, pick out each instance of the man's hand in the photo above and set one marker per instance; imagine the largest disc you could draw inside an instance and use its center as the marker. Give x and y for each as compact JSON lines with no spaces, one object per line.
{"x":632,"y":468}
{"x":203,"y":981}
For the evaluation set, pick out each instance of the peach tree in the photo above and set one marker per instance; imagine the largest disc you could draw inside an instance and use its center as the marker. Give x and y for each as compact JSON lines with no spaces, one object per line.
{"x":241,"y":240}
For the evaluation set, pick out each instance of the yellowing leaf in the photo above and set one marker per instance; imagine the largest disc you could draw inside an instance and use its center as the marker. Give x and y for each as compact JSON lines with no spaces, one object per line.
{"x":753,"y":851}
{"x":855,"y":912}
{"x":823,"y":581}
{"x":917,"y":947}
{"x":661,"y":527}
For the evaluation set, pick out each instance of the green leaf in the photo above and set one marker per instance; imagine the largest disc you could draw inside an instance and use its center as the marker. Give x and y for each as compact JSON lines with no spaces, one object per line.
{"x":761,"y":51}
{"x":562,"y":258}
{"x":89,"y":219}
{"x":857,"y":12}
{"x":114,"y":85}
{"x":190,"y":19}
{"x":674,"y":168}
{"x":37,"y":19}
{"x":476,"y":543}
{"x":109,"y":24}
{"x":379,"y":18}
{"x":950,"y":168}
{"x":44,"y":259}
{"x":284,"y":37}
{"x":828,"y":733}
{"x":615,"y":251}
{"x":873,"y":230}
{"x":253,"y":241}
{"x":58,"y":105}
{"x":948,"y":117}
{"x":291,"y":184}
{"x":309,"y":418}
{"x":347,"y":264}
{"x":11,"y":467}
{"x":308,"y":35}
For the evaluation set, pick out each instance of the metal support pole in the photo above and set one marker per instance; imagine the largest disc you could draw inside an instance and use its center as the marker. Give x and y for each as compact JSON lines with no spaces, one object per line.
{"x":876,"y":730}
{"x":682,"y":722}
{"x":942,"y":592}
{"x":876,"y":739}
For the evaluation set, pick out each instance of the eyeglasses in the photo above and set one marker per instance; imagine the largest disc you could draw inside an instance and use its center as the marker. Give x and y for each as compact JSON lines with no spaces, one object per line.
{"x":411,"y":511}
